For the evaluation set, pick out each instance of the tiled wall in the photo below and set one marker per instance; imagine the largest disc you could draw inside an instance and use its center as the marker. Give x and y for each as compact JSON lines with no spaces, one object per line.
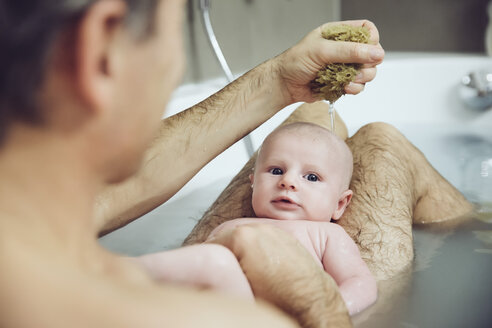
{"x":250,"y":31}
{"x":425,"y":25}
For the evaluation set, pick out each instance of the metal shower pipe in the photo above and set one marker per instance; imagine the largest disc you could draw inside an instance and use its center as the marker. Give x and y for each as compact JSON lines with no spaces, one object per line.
{"x":205,"y":10}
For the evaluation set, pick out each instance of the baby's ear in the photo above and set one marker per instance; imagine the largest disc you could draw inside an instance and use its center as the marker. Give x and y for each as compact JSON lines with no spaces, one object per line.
{"x":343,"y":202}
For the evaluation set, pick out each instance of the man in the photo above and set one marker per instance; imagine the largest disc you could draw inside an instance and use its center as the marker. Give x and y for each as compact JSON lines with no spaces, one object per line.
{"x":83,"y":86}
{"x":82,"y":89}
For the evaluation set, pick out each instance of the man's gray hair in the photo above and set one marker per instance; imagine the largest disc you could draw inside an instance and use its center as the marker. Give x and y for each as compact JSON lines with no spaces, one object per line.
{"x":28,"y":29}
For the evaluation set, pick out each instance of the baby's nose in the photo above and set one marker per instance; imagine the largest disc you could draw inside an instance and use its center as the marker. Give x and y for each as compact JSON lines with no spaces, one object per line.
{"x":287,"y":183}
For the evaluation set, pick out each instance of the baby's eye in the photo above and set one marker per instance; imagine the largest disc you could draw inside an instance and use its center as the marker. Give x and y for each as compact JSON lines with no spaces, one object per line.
{"x":276,"y":171}
{"x":311,"y":177}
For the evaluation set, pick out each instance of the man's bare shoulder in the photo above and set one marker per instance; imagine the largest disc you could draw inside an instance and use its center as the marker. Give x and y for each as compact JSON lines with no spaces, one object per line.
{"x":53,"y":291}
{"x":56,"y":293}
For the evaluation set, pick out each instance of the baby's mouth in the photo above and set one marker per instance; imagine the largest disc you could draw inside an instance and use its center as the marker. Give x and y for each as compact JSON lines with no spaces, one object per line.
{"x":285,"y":201}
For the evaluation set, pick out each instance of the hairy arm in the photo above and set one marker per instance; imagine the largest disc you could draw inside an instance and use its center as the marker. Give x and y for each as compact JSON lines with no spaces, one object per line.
{"x":342,"y":260}
{"x":288,"y":276}
{"x":189,"y":140}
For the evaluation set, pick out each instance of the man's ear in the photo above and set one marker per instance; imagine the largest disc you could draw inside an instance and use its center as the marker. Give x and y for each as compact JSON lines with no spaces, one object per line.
{"x":343,"y":202}
{"x":252,"y":179}
{"x":95,"y":57}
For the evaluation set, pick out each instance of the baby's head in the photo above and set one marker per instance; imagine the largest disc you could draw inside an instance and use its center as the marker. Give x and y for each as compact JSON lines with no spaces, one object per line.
{"x":302,"y":172}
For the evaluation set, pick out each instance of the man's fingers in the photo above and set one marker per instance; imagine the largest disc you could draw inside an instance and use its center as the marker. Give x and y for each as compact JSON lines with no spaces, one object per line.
{"x":223,"y":237}
{"x":263,"y":238}
{"x":235,"y":238}
{"x":365,"y":75}
{"x":354,"y":88}
{"x":351,"y":52}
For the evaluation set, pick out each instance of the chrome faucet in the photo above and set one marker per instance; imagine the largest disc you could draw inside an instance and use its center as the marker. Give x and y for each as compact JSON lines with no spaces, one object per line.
{"x":204,"y":8}
{"x":476,"y":89}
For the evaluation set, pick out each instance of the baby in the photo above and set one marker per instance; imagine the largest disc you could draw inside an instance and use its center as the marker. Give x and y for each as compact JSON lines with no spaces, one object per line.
{"x":300,"y":184}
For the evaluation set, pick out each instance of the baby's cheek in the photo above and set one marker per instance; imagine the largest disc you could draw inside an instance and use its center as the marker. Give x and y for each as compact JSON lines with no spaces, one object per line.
{"x":256,"y":202}
{"x":320,"y":210}
{"x":258,"y":205}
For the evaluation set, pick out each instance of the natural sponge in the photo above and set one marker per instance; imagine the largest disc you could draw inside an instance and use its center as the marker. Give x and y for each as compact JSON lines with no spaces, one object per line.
{"x":331,"y":81}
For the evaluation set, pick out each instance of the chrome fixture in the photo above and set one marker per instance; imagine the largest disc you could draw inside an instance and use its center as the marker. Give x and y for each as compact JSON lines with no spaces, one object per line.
{"x":205,"y":8}
{"x":476,"y":89}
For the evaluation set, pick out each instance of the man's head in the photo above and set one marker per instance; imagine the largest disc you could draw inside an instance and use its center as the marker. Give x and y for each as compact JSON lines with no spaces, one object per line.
{"x":103,"y":69}
{"x":302,"y":172}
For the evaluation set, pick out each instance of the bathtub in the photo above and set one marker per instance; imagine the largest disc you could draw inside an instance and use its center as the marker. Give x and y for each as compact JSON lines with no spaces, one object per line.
{"x":450,"y":282}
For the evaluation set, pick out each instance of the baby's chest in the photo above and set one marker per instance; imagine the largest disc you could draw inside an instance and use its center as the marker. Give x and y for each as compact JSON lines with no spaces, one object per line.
{"x":311,"y":235}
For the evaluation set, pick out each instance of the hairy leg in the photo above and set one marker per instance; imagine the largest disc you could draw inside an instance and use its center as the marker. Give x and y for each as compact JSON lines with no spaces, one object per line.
{"x":394,"y":186}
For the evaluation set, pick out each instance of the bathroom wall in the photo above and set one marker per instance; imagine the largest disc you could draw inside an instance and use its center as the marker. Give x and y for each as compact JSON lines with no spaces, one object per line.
{"x":250,"y":31}
{"x":425,"y":25}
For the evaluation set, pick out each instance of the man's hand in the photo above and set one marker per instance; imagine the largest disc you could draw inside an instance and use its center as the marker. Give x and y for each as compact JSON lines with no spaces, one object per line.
{"x":298,"y":66}
{"x":281,"y":271}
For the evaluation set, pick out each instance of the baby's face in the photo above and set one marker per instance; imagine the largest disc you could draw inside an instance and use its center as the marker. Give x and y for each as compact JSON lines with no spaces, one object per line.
{"x":297,"y":177}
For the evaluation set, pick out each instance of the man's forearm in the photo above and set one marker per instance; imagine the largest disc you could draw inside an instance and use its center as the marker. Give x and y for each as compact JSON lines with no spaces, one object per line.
{"x":187,"y":141}
{"x":314,"y":301}
{"x":326,"y":309}
{"x":282,"y":272}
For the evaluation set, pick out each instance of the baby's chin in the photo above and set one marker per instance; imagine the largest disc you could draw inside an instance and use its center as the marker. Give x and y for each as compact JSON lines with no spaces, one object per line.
{"x":287,"y":216}
{"x":278,"y":215}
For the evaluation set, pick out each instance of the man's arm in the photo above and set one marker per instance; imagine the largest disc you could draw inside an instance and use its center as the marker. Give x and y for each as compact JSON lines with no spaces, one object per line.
{"x":206,"y":266}
{"x":288,"y":276}
{"x":189,"y":140}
